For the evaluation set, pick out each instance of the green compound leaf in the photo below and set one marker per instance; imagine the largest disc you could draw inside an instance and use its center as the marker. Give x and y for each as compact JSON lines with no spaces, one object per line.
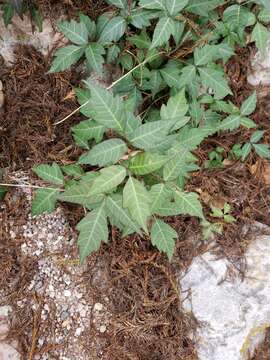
{"x":94,"y":55}
{"x":65,"y":57}
{"x":231,"y":122}
{"x":159,"y":195}
{"x":51,"y":173}
{"x":93,"y":230}
{"x":106,"y":153}
{"x":249,"y":105}
{"x":108,"y":110}
{"x":75,"y":32}
{"x":146,"y":163}
{"x":260,"y":34}
{"x":188,"y":203}
{"x":136,"y":199}
{"x":175,"y":6}
{"x":113,"y":30}
{"x":213,"y":79}
{"x":262,"y":150}
{"x":109,"y":178}
{"x":114,"y":205}
{"x":163,"y":236}
{"x":44,"y":201}
{"x":163,"y":30}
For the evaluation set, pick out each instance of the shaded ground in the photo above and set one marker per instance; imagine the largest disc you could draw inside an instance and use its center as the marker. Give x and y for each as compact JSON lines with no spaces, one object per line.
{"x":147,"y":319}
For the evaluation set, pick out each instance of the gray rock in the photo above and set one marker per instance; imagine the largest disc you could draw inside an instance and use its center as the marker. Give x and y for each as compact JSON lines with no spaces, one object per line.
{"x":260,"y":69}
{"x":7,"y":352}
{"x":233,"y":314}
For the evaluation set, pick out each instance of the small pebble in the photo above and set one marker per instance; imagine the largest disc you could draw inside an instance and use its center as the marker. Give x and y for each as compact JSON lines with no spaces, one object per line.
{"x":98,"y":307}
{"x":67,"y":293}
{"x":102,"y":328}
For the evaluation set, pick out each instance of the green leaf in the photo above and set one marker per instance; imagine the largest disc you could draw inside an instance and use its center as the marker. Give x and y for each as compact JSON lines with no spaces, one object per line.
{"x":256,"y":136}
{"x":113,"y":30}
{"x":94,"y":57}
{"x":159,"y":195}
{"x":248,"y":123}
{"x":175,"y":6}
{"x":72,"y":170}
{"x":238,"y":16}
{"x":148,"y":135}
{"x":51,"y":173}
{"x":213,"y":79}
{"x":83,"y":97}
{"x":188,"y":203}
{"x":88,"y":130}
{"x":178,"y":31}
{"x":190,"y":138}
{"x":3,"y":190}
{"x":171,"y":76}
{"x":93,"y":230}
{"x":121,"y":4}
{"x":65,"y":57}
{"x":231,"y":122}
{"x":179,"y":156}
{"x":90,"y":25}
{"x":262,"y":150}
{"x":141,"y":41}
{"x":37,"y":18}
{"x":140,"y":17}
{"x":264,"y":16}
{"x":81,"y":142}
{"x":108,"y":179}
{"x":146,"y":163}
{"x":44,"y":201}
{"x":153,"y":4}
{"x":136,"y":199}
{"x":245,"y":151}
{"x":8,"y":12}
{"x":249,"y":105}
{"x":163,"y":30}
{"x":107,"y":109}
{"x":188,"y":74}
{"x":106,"y":153}
{"x":80,"y":193}
{"x":204,"y":55}
{"x":113,"y":53}
{"x":114,"y":205}
{"x":75,"y":32}
{"x":260,"y":35}
{"x":163,"y":236}
{"x":176,"y":109}
{"x":203,"y":7}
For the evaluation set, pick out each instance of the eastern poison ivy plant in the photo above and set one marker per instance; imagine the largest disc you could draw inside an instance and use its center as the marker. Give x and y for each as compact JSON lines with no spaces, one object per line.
{"x":262,"y":150}
{"x":139,"y":137}
{"x":11,"y":7}
{"x":223,"y":213}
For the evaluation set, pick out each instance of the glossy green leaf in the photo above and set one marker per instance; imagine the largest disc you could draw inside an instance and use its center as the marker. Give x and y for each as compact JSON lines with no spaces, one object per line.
{"x":94,"y":55}
{"x":213,"y":79}
{"x":189,"y":203}
{"x":51,"y":173}
{"x":176,"y":109}
{"x":262,"y":150}
{"x":109,"y":178}
{"x":146,"y":163}
{"x":175,"y":6}
{"x":81,"y":193}
{"x":65,"y":57}
{"x":257,"y":136}
{"x":163,"y":30}
{"x":245,"y":151}
{"x":249,"y":105}
{"x":88,"y":130}
{"x":75,"y":32}
{"x":44,"y":201}
{"x":113,"y":30}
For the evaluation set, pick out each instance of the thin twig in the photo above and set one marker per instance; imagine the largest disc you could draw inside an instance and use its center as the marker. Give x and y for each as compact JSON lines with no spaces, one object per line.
{"x":30,"y":186}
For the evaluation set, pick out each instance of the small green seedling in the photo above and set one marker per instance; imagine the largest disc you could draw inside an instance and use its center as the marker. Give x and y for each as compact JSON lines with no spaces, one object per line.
{"x":223,"y":213}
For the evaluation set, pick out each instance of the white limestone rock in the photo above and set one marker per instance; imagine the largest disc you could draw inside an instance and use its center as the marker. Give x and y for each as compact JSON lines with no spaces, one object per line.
{"x":233,"y":314}
{"x":260,"y":69}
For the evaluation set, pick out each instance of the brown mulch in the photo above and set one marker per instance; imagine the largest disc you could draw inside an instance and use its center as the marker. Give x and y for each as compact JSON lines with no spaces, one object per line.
{"x":34,"y":101}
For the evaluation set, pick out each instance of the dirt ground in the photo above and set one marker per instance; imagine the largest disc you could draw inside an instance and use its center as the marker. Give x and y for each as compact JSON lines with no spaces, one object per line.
{"x":147,"y":321}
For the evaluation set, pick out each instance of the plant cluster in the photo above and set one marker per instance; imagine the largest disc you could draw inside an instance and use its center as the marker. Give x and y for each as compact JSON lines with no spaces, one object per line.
{"x":139,"y":134}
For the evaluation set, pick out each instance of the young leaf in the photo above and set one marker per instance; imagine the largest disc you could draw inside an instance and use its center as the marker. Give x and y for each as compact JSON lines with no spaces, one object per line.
{"x":163,"y":30}
{"x":114,"y":205}
{"x":136,"y":199}
{"x":249,"y":105}
{"x":8,"y":12}
{"x":51,"y":173}
{"x":163,"y":236}
{"x":75,"y":32}
{"x":212,"y":79}
{"x":256,"y":136}
{"x":106,"y":153}
{"x":153,"y":4}
{"x":109,"y":178}
{"x":108,"y":110}
{"x":44,"y":201}
{"x":113,"y":30}
{"x":65,"y":57}
{"x":262,"y":150}
{"x":93,"y":230}
{"x":188,"y":203}
{"x":121,"y":4}
{"x":175,"y":6}
{"x":146,"y":163}
{"x":260,"y":35}
{"x":176,"y":109}
{"x":94,"y":57}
